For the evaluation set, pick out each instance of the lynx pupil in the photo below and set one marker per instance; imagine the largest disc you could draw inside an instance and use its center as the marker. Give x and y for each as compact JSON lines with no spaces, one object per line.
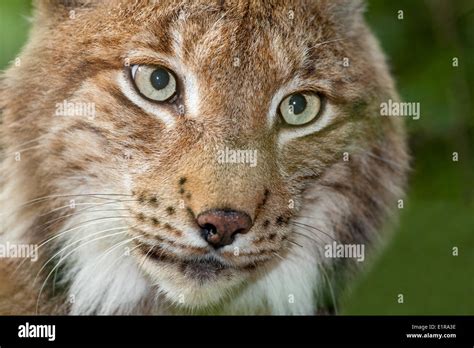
{"x":159,"y":78}
{"x":297,"y":103}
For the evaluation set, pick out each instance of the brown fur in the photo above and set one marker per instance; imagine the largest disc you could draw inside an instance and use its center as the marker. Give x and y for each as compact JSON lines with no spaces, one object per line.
{"x":78,"y":60}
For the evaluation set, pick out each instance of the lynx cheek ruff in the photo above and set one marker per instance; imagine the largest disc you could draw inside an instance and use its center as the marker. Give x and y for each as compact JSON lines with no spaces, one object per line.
{"x":195,"y":157}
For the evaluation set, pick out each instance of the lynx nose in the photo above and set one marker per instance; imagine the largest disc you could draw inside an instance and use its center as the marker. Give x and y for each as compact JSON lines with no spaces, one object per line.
{"x":219,"y":227}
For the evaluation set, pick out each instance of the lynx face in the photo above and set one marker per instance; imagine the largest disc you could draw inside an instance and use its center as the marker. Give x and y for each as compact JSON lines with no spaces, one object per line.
{"x":228,"y":144}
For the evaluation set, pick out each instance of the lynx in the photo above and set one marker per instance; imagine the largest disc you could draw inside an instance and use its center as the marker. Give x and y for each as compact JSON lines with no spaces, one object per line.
{"x":123,"y":193}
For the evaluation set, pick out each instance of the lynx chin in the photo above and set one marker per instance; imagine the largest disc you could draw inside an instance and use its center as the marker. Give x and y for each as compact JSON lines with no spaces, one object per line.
{"x":158,"y":224}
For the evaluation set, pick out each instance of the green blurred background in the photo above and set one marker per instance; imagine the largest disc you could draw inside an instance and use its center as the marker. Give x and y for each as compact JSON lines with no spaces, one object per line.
{"x":439,"y":211}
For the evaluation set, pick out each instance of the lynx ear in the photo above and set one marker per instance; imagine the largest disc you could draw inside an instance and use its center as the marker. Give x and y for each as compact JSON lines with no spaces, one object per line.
{"x":346,"y":14}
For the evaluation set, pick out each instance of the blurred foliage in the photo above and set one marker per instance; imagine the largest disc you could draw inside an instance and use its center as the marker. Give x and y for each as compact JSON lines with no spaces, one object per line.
{"x":439,"y":210}
{"x":13,"y":28}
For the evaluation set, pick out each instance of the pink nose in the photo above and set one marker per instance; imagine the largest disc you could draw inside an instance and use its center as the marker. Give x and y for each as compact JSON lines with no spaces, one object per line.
{"x":219,"y":227}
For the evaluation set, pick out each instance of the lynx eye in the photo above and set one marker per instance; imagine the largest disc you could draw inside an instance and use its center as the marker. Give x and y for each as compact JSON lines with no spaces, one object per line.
{"x":300,"y":108}
{"x":154,"y":82}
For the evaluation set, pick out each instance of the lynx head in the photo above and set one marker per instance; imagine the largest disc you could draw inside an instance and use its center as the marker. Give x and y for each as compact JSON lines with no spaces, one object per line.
{"x":234,"y":139}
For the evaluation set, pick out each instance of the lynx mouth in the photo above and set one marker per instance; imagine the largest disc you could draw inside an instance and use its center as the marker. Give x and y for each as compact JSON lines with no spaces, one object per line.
{"x":201,"y":268}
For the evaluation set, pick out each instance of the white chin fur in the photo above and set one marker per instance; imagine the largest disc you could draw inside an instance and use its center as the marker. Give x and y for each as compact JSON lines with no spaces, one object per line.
{"x":105,"y":280}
